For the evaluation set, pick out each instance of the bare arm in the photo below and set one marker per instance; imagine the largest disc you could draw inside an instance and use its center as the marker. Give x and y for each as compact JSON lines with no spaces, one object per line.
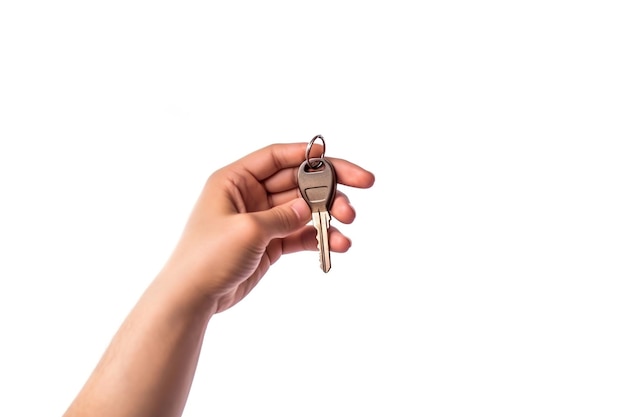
{"x":149,"y":365}
{"x":248,"y":215}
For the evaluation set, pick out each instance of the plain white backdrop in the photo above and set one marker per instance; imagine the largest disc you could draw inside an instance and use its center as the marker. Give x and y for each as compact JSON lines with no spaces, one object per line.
{"x":487,"y":275}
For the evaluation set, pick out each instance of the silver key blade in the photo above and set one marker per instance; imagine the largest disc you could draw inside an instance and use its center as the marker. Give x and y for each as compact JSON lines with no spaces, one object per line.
{"x":321,"y":222}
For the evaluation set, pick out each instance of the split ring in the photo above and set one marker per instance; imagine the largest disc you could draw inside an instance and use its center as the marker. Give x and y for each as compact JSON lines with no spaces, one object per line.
{"x":319,"y":163}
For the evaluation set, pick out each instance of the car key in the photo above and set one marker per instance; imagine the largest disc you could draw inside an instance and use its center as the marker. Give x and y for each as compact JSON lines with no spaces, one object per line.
{"x":317,"y":183}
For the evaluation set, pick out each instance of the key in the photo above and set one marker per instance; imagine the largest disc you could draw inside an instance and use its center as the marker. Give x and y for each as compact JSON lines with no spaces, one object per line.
{"x":317,"y":183}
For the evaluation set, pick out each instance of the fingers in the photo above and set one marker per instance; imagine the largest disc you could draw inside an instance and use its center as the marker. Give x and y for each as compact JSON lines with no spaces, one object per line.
{"x":276,"y":167}
{"x":284,"y":176}
{"x":351,"y":174}
{"x":342,"y":210}
{"x":283,"y":180}
{"x":271,"y":159}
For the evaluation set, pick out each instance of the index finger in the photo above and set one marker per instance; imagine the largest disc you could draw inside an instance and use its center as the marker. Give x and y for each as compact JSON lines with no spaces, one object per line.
{"x":267,"y":161}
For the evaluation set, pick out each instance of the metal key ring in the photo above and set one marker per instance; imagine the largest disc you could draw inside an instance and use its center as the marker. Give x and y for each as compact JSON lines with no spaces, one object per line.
{"x":308,"y":150}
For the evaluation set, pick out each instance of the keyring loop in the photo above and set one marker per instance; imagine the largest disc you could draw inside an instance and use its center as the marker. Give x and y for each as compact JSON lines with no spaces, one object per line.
{"x":308,"y":150}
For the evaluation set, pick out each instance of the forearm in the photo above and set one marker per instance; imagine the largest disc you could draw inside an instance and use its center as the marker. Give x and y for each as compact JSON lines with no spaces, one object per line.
{"x":248,"y":215}
{"x":148,"y":368}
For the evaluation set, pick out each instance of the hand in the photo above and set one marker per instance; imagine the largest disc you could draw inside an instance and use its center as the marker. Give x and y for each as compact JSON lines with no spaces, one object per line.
{"x":248,"y":215}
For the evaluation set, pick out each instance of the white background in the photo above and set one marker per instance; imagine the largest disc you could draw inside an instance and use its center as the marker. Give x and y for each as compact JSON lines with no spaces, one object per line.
{"x":487,"y":273}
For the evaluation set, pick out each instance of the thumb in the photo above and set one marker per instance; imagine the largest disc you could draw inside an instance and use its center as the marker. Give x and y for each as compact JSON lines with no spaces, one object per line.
{"x":282,"y":220}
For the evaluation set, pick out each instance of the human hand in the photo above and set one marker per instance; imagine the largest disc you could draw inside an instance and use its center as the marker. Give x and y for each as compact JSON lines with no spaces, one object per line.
{"x":248,"y":215}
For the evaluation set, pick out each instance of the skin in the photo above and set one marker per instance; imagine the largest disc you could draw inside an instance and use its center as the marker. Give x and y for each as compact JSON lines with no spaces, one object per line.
{"x":248,"y":215}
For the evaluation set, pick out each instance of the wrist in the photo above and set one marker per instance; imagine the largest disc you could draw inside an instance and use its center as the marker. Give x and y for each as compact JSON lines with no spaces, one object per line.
{"x":181,"y":297}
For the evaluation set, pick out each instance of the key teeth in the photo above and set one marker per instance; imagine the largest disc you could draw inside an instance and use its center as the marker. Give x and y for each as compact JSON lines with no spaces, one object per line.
{"x":324,"y":266}
{"x":319,"y":248}
{"x":321,"y":221}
